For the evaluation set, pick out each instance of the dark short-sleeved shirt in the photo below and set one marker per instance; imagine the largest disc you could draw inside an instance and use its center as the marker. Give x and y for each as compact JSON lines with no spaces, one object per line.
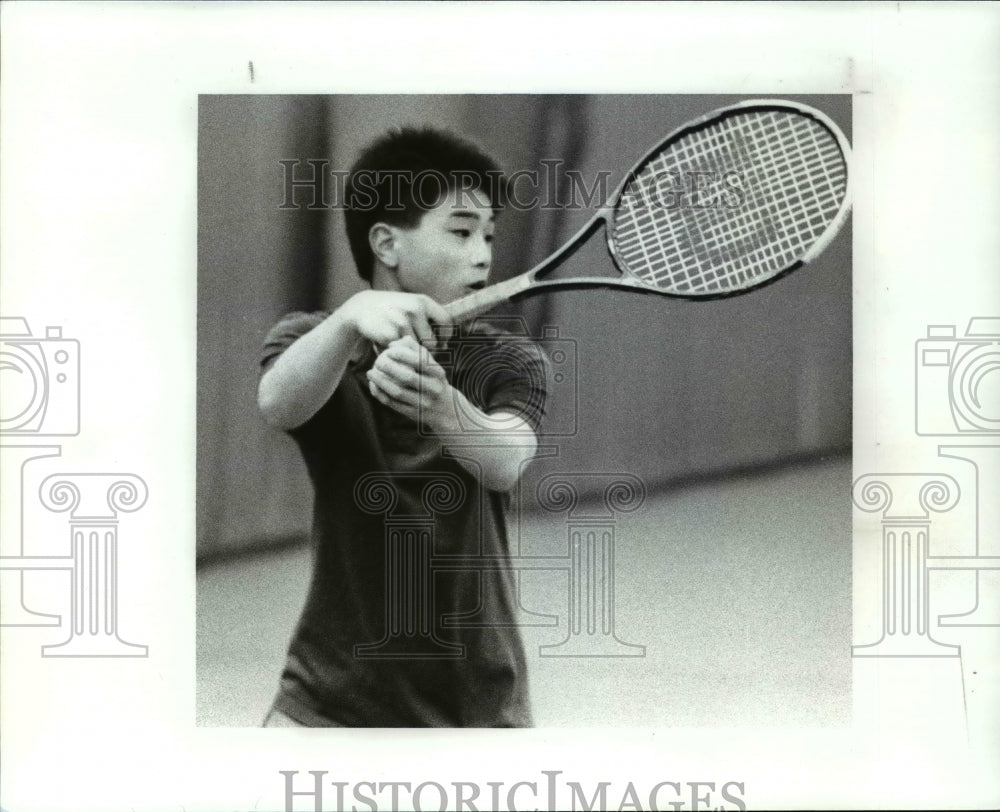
{"x":409,"y":620}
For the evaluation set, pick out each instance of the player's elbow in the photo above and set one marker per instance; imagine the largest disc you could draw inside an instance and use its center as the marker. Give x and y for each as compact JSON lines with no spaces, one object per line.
{"x":274,"y":408}
{"x":501,"y":478}
{"x":504,"y":469}
{"x":269,"y":407}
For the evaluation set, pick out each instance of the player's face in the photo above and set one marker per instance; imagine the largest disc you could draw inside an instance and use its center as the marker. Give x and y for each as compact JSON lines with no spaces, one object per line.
{"x":449,"y":253}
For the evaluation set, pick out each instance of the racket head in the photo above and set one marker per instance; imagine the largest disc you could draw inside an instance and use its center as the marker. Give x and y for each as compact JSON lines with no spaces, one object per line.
{"x":782,"y":192}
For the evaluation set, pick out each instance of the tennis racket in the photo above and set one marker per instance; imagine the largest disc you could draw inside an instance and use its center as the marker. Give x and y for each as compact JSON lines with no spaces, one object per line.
{"x":723,"y":205}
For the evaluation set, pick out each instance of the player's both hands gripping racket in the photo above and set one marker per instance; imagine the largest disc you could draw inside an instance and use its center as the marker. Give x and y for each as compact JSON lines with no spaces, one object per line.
{"x":773,"y":192}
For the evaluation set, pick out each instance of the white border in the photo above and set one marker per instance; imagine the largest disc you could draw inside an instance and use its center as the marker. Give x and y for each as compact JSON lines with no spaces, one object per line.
{"x":98,"y":170}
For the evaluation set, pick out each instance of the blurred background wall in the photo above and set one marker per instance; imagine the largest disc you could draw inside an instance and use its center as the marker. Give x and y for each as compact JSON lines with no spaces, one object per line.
{"x":665,"y":389}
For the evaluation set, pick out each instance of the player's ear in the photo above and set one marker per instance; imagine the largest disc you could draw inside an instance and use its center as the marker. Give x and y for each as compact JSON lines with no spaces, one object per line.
{"x":384,"y":244}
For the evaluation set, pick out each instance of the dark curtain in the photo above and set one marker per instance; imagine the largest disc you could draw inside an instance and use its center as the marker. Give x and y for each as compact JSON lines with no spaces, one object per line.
{"x":663,"y":389}
{"x":255,"y":262}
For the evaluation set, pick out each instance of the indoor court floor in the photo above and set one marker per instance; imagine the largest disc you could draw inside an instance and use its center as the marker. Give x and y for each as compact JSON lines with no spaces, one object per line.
{"x":739,"y":588}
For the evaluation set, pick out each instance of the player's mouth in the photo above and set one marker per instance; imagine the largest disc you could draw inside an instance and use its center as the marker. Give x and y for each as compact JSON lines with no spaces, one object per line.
{"x":476,"y":285}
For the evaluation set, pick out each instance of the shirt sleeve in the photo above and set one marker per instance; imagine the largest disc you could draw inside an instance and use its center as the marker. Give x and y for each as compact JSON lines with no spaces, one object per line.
{"x":285,"y":333}
{"x":513,"y":377}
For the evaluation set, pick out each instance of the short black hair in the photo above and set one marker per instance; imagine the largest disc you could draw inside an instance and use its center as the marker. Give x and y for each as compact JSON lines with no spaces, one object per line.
{"x":406,"y":172}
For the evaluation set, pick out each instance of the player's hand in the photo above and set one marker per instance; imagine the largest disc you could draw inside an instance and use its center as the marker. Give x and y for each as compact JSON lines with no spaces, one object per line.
{"x":406,"y":378}
{"x":383,"y":316}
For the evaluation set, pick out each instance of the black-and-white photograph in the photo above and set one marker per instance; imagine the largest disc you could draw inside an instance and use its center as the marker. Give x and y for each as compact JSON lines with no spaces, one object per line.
{"x":524,"y":410}
{"x":499,"y":406}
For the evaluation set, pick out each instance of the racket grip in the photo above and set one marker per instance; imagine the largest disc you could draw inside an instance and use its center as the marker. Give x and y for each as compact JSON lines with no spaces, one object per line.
{"x":463,"y":310}
{"x":482,"y":301}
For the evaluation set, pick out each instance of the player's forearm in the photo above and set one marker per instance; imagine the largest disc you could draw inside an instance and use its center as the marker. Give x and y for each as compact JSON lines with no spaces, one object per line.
{"x":307,"y":373}
{"x":496,"y":448}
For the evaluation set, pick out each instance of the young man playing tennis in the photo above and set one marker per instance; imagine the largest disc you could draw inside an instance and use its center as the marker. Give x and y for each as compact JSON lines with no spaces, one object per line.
{"x":372,"y":393}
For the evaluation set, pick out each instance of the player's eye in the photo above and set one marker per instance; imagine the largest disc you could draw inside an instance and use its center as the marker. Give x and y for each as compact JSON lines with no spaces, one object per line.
{"x":488,"y":237}
{"x":464,"y":233}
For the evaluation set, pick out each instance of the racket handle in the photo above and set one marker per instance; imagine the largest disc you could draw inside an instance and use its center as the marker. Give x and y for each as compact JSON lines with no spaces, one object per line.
{"x":475,"y":304}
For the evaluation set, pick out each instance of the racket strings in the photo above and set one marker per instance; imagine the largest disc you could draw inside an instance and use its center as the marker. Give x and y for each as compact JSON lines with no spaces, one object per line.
{"x":777,"y":181}
{"x":787,"y":210}
{"x":745,"y":234}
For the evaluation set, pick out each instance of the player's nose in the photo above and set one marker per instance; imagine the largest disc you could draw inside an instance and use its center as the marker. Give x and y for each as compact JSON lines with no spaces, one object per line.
{"x":482,"y":256}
